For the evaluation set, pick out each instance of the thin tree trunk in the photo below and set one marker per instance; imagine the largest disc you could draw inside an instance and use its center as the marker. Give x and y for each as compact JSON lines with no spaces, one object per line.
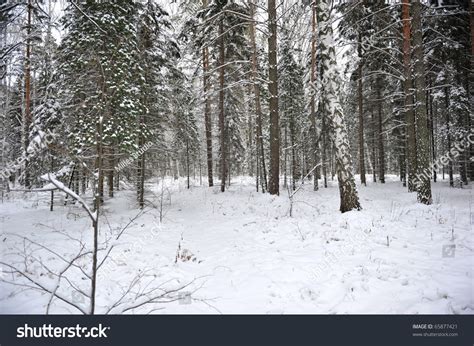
{"x":221,"y":104}
{"x":27,"y":113}
{"x":361,"y":118}
{"x":285,"y":158}
{"x":432,"y":127}
{"x":207,"y":113}
{"x":448,"y":136}
{"x":274,"y":183}
{"x":110,"y":173}
{"x":323,"y":151}
{"x":380,"y":135}
{"x":314,"y":133}
{"x":374,"y":147}
{"x":187,"y":164}
{"x":409,"y":102}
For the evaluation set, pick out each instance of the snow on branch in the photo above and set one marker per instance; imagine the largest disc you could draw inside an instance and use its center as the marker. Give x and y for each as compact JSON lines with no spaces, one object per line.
{"x":60,"y":186}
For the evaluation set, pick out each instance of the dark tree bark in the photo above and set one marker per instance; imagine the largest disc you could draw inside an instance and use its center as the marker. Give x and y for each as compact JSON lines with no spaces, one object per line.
{"x":422,"y":133}
{"x":432,"y":127}
{"x":207,"y":114}
{"x":110,"y":172}
{"x":374,"y":146}
{"x":448,"y":136}
{"x":409,"y":101}
{"x":258,"y":107}
{"x":381,"y":148}
{"x":27,"y":113}
{"x":360,"y":98}
{"x":274,"y":183}
{"x":223,"y":163}
{"x":314,"y":133}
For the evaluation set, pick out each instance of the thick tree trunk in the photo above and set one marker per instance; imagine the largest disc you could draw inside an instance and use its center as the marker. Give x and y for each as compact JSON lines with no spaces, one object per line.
{"x":409,"y":101}
{"x":274,"y":183}
{"x":422,"y":133}
{"x":258,"y":108}
{"x":221,"y":105}
{"x":330,"y":81}
{"x":469,"y":86}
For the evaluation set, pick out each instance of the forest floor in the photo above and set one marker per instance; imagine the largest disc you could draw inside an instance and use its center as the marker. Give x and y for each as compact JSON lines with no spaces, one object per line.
{"x":241,"y":252}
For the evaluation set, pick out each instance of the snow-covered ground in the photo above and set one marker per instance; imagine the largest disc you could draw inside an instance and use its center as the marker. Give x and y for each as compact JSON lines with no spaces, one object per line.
{"x":241,"y":252}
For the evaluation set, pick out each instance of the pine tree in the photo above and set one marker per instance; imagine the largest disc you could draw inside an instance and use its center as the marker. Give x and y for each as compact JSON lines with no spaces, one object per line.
{"x":274,"y":181}
{"x":291,"y":104}
{"x":422,"y":136}
{"x":102,"y":78}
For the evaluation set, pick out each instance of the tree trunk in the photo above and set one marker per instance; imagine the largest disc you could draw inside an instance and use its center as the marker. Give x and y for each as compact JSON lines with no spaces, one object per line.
{"x":409,"y":102}
{"x":432,"y":127}
{"x":187,"y":164}
{"x":422,"y":133}
{"x":110,"y":173}
{"x":380,"y":135}
{"x":448,"y":136}
{"x":221,"y":104}
{"x":274,"y":183}
{"x":323,"y":150}
{"x":374,"y":147}
{"x":314,"y":131}
{"x":207,"y":113}
{"x":330,"y":81}
{"x":361,"y":118}
{"x":27,"y":113}
{"x":258,"y":107}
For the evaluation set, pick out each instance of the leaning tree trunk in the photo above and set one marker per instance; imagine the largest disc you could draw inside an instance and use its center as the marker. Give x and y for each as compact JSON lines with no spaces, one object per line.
{"x":330,"y":81}
{"x":274,"y":183}
{"x":422,"y":133}
{"x":407,"y":87}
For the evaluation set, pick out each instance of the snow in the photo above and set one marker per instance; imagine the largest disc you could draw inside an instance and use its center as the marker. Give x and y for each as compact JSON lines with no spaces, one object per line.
{"x":240,"y":252}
